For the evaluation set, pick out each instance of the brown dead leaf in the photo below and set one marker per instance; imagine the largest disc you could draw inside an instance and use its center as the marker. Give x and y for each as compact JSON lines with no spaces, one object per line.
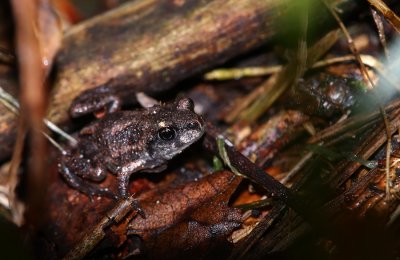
{"x":191,"y":219}
{"x":195,"y":209}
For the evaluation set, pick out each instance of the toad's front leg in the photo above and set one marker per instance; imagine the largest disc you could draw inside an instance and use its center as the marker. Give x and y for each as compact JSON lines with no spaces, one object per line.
{"x":78,"y":171}
{"x":124,"y":173}
{"x":94,"y":100}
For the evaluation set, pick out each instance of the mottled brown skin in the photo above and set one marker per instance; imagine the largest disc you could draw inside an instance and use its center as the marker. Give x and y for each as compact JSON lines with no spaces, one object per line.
{"x":126,"y":142}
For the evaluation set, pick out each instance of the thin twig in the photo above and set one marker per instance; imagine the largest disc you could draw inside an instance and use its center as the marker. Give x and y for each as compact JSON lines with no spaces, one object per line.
{"x":366,"y":76}
{"x":297,"y":167}
{"x":264,"y":96}
{"x":53,"y":127}
{"x":237,"y":73}
{"x":12,"y":104}
{"x":389,"y":15}
{"x":381,"y":31}
{"x":388,"y":152}
{"x":96,"y":234}
{"x":350,"y":42}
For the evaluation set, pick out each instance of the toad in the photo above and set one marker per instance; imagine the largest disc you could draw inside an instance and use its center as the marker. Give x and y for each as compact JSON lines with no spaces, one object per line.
{"x":125,"y":142}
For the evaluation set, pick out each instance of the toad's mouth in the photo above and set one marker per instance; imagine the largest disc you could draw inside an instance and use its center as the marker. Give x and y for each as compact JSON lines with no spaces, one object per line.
{"x":191,"y":136}
{"x":186,"y":140}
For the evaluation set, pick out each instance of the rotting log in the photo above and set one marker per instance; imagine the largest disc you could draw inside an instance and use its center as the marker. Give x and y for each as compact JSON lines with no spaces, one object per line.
{"x":149,"y":46}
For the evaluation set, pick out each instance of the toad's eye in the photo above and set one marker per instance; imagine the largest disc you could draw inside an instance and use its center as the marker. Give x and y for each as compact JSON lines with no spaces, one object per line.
{"x":193,"y":125}
{"x":167,"y":133}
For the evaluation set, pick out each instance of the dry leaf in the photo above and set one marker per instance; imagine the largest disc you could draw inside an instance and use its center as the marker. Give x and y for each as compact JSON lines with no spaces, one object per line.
{"x":188,"y":220}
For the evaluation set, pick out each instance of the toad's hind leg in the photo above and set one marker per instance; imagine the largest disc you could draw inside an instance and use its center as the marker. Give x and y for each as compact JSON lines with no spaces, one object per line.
{"x":81,"y":185}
